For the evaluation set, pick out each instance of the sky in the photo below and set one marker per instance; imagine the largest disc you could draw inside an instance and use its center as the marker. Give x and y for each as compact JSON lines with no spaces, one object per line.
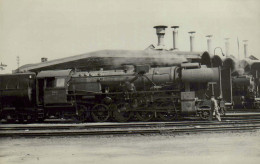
{"x":54,"y":29}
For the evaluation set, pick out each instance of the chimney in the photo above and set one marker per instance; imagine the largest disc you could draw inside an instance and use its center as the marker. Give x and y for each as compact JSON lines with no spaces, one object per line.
{"x":160,"y":31}
{"x":209,"y":43}
{"x":227,"y":46}
{"x":191,"y":40}
{"x":245,"y":47}
{"x":175,"y":36}
{"x":44,"y":59}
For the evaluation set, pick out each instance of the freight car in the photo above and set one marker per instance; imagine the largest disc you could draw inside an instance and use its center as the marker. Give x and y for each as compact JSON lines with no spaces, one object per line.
{"x":139,"y":92}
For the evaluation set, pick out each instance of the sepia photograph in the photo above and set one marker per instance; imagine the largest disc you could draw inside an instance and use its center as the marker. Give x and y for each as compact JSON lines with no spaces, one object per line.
{"x":129,"y":81}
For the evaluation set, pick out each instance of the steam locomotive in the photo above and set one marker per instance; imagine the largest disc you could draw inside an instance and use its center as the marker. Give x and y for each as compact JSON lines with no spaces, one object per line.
{"x":246,"y":85}
{"x":139,"y":93}
{"x":245,"y":81}
{"x":139,"y":85}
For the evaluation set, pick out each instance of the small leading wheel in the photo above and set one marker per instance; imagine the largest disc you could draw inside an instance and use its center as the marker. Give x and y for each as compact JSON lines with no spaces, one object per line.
{"x":100,"y":113}
{"x":122,"y":112}
{"x":205,"y":114}
{"x":170,"y":114}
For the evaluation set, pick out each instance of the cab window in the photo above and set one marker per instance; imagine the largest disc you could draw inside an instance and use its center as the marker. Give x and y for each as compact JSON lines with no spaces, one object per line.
{"x":50,"y":82}
{"x":60,"y":82}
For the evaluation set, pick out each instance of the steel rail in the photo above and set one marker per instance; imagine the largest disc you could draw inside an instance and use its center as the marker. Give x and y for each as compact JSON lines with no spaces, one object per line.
{"x":132,"y":131}
{"x":123,"y":125}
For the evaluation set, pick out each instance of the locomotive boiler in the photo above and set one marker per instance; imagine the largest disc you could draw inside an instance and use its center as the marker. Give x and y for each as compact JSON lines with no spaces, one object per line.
{"x":140,"y":93}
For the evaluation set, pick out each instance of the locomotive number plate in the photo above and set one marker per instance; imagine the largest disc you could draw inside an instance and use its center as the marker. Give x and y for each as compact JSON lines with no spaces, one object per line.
{"x":54,"y":93}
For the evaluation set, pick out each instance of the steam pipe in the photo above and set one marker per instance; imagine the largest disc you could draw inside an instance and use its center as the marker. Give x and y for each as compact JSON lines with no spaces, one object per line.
{"x":245,"y":47}
{"x":221,"y":51}
{"x":175,"y":35}
{"x":191,"y":40}
{"x":209,"y":43}
{"x":219,"y":69}
{"x":227,"y":46}
{"x":160,"y":31}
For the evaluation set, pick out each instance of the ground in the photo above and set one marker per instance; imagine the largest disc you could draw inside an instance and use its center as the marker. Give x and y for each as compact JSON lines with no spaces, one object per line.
{"x":229,"y":147}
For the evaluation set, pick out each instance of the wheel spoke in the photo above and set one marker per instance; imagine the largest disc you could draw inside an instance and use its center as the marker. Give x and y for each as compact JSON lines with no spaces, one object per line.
{"x":144,"y":116}
{"x":122,"y":112}
{"x":100,"y":113}
{"x":167,"y":116}
{"x":170,"y":114}
{"x":205,"y":114}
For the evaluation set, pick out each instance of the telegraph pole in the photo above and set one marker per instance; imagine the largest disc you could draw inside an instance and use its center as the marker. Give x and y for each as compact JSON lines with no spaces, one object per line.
{"x":18,"y":62}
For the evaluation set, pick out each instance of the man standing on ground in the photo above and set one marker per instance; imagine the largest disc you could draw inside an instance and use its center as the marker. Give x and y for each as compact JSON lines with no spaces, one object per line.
{"x":215,"y":108}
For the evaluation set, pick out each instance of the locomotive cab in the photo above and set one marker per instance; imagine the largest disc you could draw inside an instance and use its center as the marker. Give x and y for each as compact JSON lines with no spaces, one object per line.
{"x":52,"y":87}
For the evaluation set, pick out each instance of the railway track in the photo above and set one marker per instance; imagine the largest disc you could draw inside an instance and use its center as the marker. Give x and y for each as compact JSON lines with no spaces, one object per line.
{"x":120,"y":125}
{"x":127,"y":128}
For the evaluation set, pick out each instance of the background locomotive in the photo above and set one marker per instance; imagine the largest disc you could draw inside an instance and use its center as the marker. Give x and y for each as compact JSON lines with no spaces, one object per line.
{"x":246,"y":86}
{"x":141,"y":93}
{"x":244,"y":93}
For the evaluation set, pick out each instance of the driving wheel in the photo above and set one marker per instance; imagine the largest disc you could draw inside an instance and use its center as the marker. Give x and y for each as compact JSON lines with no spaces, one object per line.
{"x":169,"y":112}
{"x":122,"y":113}
{"x":100,"y":113}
